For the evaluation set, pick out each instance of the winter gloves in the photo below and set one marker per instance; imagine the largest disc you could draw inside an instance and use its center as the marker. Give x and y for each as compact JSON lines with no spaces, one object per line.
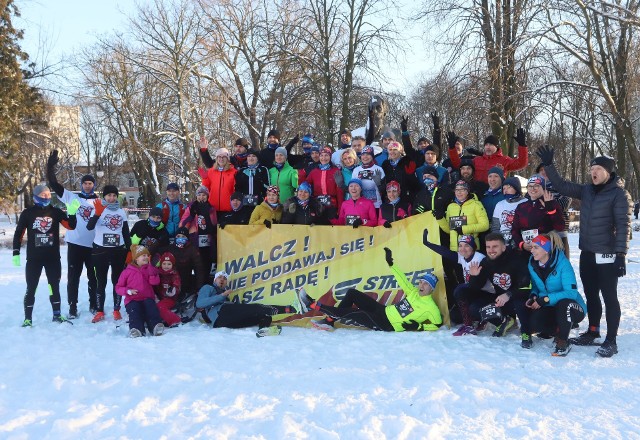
{"x":521,"y":137}
{"x":451,"y":140}
{"x":98,"y":207}
{"x":620,"y":264}
{"x":16,"y":260}
{"x":72,"y":207}
{"x":425,"y":237}
{"x":404,"y":124}
{"x":388,"y":256}
{"x":545,"y":153}
{"x":357,"y":222}
{"x":53,"y":159}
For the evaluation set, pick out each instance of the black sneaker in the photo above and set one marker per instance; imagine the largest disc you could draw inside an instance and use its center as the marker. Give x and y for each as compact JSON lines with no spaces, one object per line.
{"x":586,"y":338}
{"x":562,"y":349}
{"x":60,"y":319}
{"x":527,"y":342}
{"x":607,"y":349}
{"x":500,"y":330}
{"x":73,"y":312}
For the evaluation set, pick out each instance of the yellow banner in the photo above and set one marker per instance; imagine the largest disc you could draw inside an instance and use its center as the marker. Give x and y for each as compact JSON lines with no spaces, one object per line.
{"x":266,"y":265}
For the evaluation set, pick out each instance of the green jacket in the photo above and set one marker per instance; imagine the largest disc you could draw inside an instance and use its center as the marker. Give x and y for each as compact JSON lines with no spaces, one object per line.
{"x":422,"y":309}
{"x":286,"y":180}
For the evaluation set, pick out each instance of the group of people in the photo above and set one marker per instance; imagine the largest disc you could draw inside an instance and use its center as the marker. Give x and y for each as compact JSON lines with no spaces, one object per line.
{"x":505,"y":253}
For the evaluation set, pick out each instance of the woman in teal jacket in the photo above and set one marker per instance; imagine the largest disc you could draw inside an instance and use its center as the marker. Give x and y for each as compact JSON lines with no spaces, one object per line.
{"x":555,"y":301}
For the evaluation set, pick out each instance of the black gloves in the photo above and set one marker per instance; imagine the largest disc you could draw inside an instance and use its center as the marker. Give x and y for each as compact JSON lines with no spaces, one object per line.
{"x":267,"y":223}
{"x":451,"y":140}
{"x":404,"y":124}
{"x":53,"y":160}
{"x":545,"y":153}
{"x":620,"y":264}
{"x":459,"y":230}
{"x":541,"y":302}
{"x":388,"y":256}
{"x":386,"y":224}
{"x":521,"y":137}
{"x":425,"y":237}
{"x":436,"y":120}
{"x":411,"y":326}
{"x":222,"y":225}
{"x":357,"y":222}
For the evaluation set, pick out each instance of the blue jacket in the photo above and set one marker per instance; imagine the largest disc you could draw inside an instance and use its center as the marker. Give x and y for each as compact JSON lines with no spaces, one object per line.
{"x":490,"y":199}
{"x":560,"y":282}
{"x":211,"y":299}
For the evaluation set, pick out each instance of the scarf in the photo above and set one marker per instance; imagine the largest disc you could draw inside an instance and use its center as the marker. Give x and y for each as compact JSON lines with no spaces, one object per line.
{"x":278,"y":166}
{"x":324,"y":167}
{"x":272,"y":146}
{"x":40,"y":201}
{"x":302,"y":202}
{"x":112,"y":206}
{"x":429,"y":183}
{"x":394,"y":163}
{"x":273,"y":205}
{"x":370,"y":165}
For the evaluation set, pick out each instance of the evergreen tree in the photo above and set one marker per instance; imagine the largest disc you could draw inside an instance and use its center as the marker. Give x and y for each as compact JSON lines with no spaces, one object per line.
{"x":21,"y":105}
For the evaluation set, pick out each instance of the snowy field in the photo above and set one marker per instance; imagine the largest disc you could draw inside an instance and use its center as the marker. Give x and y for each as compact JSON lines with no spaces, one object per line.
{"x":89,"y":381}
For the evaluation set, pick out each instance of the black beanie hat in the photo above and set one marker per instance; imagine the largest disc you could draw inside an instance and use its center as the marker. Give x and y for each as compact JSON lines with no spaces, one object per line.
{"x":491,"y":139}
{"x":605,"y":162}
{"x":468,"y":163}
{"x":155,"y":211}
{"x":513,"y":182}
{"x":182,"y":231}
{"x":275,"y":133}
{"x":88,"y":178}
{"x":109,"y":189}
{"x":243,"y":142}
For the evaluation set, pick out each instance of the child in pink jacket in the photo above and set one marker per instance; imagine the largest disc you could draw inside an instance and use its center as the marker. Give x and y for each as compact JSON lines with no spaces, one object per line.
{"x":136,"y":286}
{"x":168,"y":289}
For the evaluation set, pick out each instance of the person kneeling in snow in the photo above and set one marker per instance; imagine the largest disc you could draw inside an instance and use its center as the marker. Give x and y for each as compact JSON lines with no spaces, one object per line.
{"x":136,"y":285}
{"x":214,"y":299}
{"x":417,"y":311}
{"x":554,"y":299}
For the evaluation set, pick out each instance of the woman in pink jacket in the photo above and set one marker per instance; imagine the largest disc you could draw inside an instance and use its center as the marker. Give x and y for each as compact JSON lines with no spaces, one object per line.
{"x":136,"y":285}
{"x":357,"y":210}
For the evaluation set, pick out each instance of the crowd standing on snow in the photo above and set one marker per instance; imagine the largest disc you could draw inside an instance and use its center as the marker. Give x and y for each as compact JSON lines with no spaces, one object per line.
{"x":504,"y":255}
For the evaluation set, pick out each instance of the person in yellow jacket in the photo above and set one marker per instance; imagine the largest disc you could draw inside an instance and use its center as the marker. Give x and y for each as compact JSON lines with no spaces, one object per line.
{"x":417,"y":311}
{"x":465,"y":216}
{"x":269,"y":211}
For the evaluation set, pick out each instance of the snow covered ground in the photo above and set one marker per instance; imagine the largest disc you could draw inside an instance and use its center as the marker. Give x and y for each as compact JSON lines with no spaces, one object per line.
{"x":59,"y":381}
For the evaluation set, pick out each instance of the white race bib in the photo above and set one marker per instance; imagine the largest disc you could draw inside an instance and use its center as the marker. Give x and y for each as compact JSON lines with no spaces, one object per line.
{"x":529,"y":234}
{"x":605,"y":258}
{"x":204,"y":241}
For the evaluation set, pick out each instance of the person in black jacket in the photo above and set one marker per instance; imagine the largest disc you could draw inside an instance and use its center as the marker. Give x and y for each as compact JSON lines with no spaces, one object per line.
{"x":507,"y":271}
{"x":239,"y":214}
{"x":42,"y":224}
{"x":605,"y":225}
{"x":252,"y":181}
{"x":151,"y":233}
{"x":302,"y":209}
{"x":400,"y":168}
{"x":268,"y":154}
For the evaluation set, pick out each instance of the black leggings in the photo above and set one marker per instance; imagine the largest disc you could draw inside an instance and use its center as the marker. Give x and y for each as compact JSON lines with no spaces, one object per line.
{"x":33,"y":269}
{"x":598,"y":278}
{"x":471,"y":300}
{"x":234,"y":315}
{"x":77,"y":257}
{"x":369,"y":313}
{"x":557,"y":320}
{"x":104,"y":258}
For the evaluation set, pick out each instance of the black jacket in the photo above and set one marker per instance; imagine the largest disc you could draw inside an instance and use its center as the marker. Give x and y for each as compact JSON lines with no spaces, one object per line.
{"x":508,"y":273}
{"x":312,"y":213}
{"x":253,"y":181}
{"x":42,"y":225}
{"x":605,"y":212}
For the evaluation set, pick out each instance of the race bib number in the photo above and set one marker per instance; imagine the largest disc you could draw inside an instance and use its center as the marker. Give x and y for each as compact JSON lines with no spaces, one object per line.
{"x":457,"y":221}
{"x":351,"y":219}
{"x":490,"y":312}
{"x":404,"y":307}
{"x":324,"y":200}
{"x":605,"y":258}
{"x":529,"y":234}
{"x":204,"y":240}
{"x":43,"y":240}
{"x":111,"y":240}
{"x":250,"y":200}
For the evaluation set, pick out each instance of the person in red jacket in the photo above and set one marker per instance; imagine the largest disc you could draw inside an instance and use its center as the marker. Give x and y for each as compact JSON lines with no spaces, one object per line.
{"x":326,"y":182}
{"x":168,"y":290}
{"x":135,"y":284}
{"x":493,"y":155}
{"x":220,"y":178}
{"x":357,"y":210}
{"x":540,"y":214}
